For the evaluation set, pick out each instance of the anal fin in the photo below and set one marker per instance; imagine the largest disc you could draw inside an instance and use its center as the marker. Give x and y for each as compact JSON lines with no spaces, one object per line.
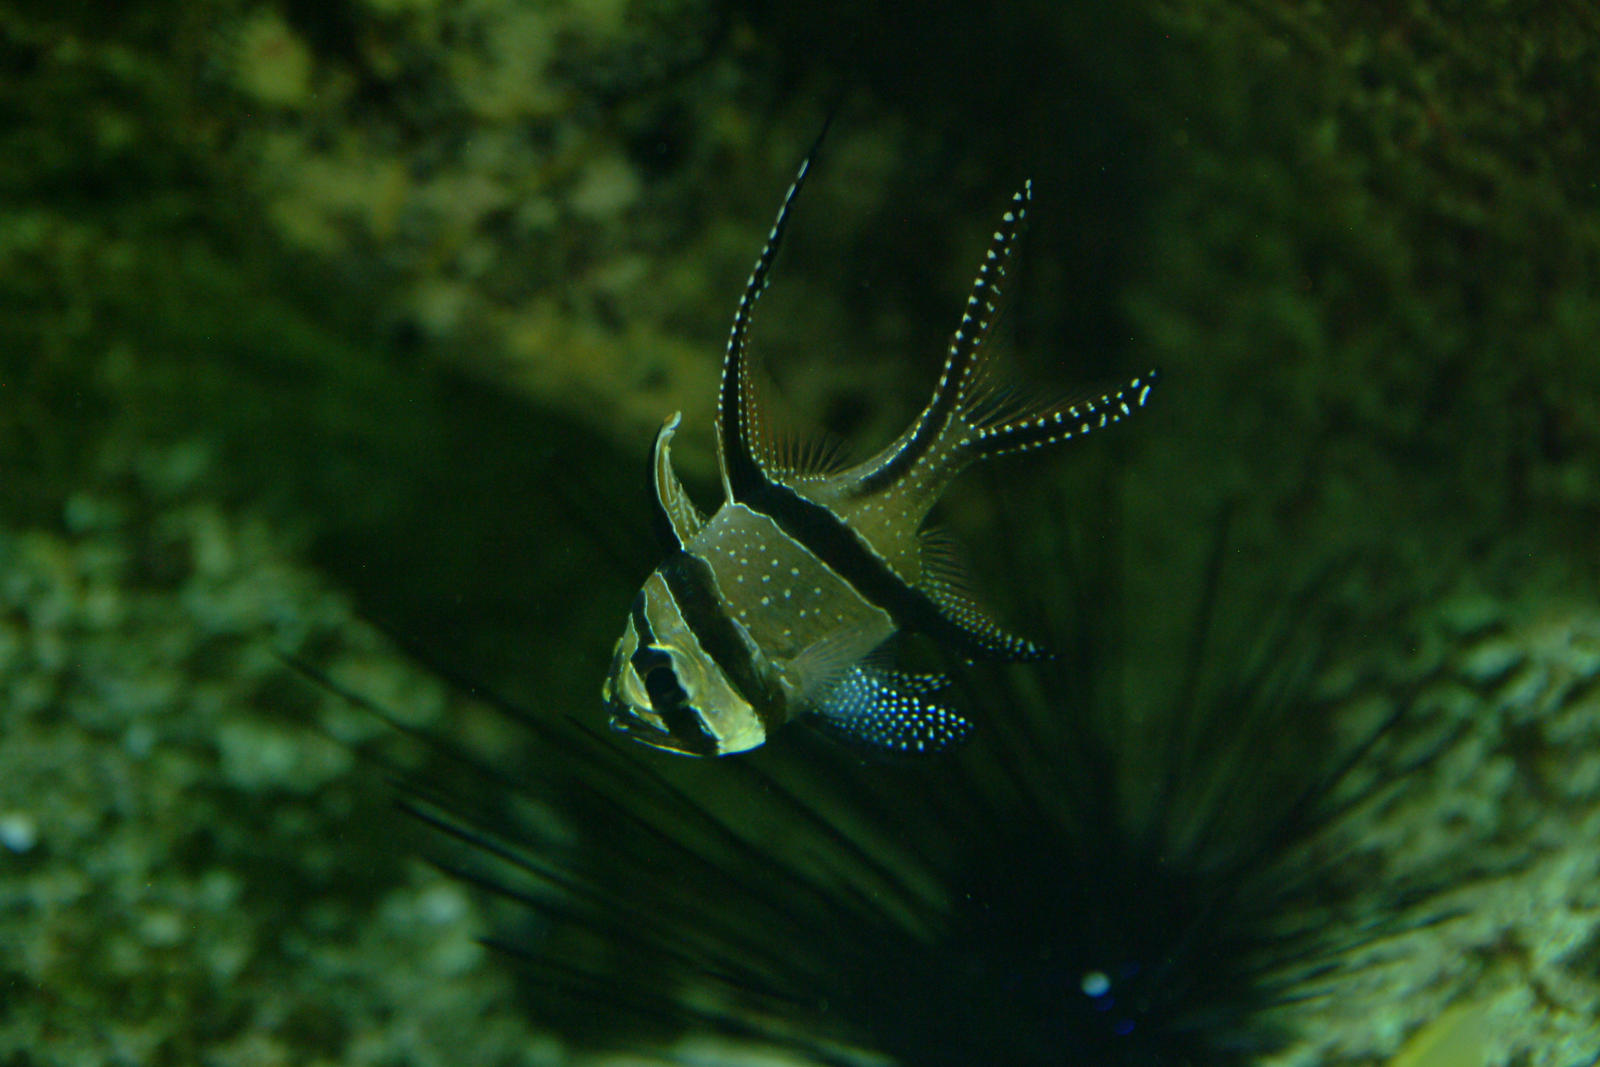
{"x":948,"y":587}
{"x":885,"y":713}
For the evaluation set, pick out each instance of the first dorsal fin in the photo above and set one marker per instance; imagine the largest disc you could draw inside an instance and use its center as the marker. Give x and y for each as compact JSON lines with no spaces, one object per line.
{"x":742,"y":437}
{"x":793,"y":458}
{"x":676,"y":519}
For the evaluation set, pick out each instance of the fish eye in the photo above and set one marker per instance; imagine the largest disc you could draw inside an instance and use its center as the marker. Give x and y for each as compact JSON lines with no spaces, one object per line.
{"x":661,"y":684}
{"x":686,"y":725}
{"x":669,"y":700}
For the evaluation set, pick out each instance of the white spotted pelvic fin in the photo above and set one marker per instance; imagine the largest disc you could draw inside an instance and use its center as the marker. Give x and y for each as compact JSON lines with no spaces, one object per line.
{"x":885,"y":712}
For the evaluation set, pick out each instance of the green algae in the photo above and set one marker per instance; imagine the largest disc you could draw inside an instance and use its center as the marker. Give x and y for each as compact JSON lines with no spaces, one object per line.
{"x":363,"y":274}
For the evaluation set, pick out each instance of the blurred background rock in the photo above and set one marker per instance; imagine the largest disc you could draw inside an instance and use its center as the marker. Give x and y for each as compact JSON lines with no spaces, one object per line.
{"x":312,"y":307}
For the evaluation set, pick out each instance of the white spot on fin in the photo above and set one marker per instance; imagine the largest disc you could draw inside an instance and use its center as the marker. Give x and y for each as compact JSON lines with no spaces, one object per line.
{"x":884,"y":711}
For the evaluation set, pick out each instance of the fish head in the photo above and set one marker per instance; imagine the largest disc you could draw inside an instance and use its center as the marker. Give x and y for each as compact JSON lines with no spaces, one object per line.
{"x":665,"y":691}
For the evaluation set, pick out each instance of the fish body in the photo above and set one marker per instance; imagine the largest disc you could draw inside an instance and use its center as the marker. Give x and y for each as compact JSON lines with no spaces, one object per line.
{"x":780,"y":603}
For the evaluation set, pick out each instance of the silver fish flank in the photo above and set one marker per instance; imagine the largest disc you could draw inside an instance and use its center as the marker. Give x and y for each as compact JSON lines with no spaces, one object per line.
{"x":778,"y":606}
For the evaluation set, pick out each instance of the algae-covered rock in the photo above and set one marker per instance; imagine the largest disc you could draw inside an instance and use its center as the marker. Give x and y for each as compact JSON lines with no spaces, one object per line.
{"x":195,"y":866}
{"x":383,"y":299}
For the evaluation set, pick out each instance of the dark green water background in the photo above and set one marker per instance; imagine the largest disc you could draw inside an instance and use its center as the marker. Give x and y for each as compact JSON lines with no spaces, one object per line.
{"x":309,"y":310}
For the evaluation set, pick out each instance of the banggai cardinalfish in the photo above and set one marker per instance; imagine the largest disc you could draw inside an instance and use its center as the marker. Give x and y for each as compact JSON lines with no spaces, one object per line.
{"x":777,"y":606}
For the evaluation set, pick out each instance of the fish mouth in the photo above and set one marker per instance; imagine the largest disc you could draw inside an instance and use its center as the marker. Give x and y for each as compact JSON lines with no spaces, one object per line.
{"x":625,"y":720}
{"x":628,"y":723}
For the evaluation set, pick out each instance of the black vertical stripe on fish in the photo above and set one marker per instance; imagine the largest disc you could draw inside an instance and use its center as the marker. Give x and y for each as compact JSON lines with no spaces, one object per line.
{"x":694,"y":590}
{"x":832,"y":541}
{"x":668,"y":697}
